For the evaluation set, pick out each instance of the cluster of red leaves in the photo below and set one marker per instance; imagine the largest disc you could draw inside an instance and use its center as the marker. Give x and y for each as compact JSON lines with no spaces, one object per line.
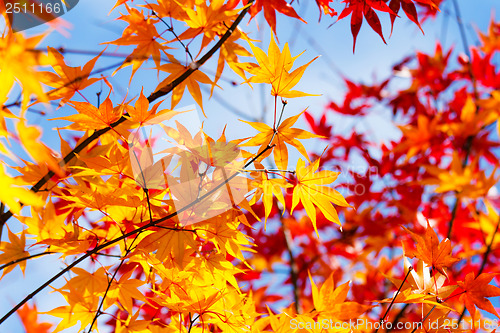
{"x":437,"y":181}
{"x":357,"y":9}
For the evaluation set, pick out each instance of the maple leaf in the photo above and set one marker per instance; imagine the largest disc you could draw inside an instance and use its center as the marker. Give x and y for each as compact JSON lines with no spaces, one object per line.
{"x":222,"y":231}
{"x":418,"y":138}
{"x":125,"y":291}
{"x":472,"y":118}
{"x":270,"y":7}
{"x":228,"y":54}
{"x":91,"y":118}
{"x":325,"y":6}
{"x":491,"y":41}
{"x":87,"y":283}
{"x":408,"y":8}
{"x":67,"y":80}
{"x":364,"y":8}
{"x":14,"y":249}
{"x":29,"y":318}
{"x":80,"y":309}
{"x":169,"y":244}
{"x":209,"y":20}
{"x":311,"y":191}
{"x":467,"y":181}
{"x":141,"y":114}
{"x":133,"y":325}
{"x":285,"y":133}
{"x":267,"y":188}
{"x":13,"y":47}
{"x":421,"y":282}
{"x":274,"y":69}
{"x":11,"y":193}
{"x":476,"y":290}
{"x":141,"y":32}
{"x":29,"y":137}
{"x":434,"y":253}
{"x":330,"y":301}
{"x":192,"y":82}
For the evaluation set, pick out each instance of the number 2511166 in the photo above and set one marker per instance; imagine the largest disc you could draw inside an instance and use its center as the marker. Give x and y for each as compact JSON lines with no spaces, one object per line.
{"x":33,"y":7}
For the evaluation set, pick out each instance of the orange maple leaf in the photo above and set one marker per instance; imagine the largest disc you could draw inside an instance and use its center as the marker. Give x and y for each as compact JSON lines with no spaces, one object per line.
{"x":91,"y":118}
{"x":29,"y":318}
{"x":67,"y":80}
{"x":475,"y":292}
{"x":435,"y":254}
{"x":12,"y":250}
{"x":141,"y":33}
{"x":192,"y":82}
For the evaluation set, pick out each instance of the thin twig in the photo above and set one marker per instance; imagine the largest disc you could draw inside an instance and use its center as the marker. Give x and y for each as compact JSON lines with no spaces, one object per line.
{"x":394,"y":297}
{"x":23,"y":259}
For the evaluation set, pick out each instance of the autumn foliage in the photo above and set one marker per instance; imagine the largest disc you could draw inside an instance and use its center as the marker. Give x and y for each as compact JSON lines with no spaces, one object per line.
{"x":188,"y":236}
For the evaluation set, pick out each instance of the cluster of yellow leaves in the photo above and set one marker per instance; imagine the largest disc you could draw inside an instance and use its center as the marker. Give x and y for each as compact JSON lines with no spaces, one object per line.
{"x":13,"y":48}
{"x":467,"y":181}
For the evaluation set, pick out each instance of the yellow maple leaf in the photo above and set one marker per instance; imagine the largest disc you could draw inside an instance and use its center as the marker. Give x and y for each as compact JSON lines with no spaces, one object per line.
{"x":269,"y":188}
{"x":10,"y":194}
{"x":12,"y":250}
{"x":467,"y":181}
{"x":125,"y":291}
{"x":208,"y":20}
{"x":80,"y":309}
{"x":330,"y":301}
{"x":274,"y":69}
{"x":283,"y":134}
{"x":169,"y":245}
{"x":310,"y":190}
{"x":18,"y":61}
{"x":29,"y":137}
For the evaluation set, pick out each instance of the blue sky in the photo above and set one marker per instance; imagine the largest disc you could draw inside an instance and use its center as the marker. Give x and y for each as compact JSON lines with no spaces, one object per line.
{"x":373,"y":59}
